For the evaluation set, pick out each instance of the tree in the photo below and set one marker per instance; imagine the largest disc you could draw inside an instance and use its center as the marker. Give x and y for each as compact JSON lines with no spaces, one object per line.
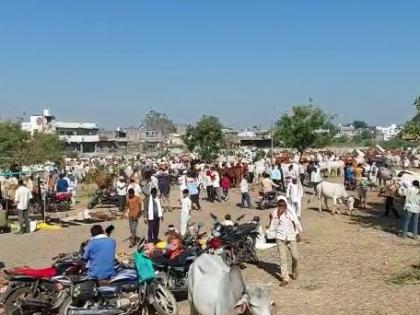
{"x":359,"y":124}
{"x":12,"y":143}
{"x":44,"y":147}
{"x":17,"y":146}
{"x":206,"y":137}
{"x":411,"y":129}
{"x":307,"y":126}
{"x":155,"y":121}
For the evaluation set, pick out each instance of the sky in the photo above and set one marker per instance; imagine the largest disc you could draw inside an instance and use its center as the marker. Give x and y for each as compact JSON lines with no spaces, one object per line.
{"x":247,"y":62}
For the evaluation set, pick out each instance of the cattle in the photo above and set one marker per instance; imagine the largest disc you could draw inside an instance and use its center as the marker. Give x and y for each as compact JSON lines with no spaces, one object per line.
{"x":216,"y":289}
{"x":336,"y":192}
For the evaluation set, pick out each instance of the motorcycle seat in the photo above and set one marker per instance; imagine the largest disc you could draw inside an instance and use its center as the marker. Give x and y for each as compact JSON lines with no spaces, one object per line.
{"x":33,"y":273}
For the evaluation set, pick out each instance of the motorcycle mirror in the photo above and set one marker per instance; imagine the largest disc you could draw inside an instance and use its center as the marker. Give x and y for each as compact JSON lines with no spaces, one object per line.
{"x":240,"y":217}
{"x":109,"y":230}
{"x":213,"y":216}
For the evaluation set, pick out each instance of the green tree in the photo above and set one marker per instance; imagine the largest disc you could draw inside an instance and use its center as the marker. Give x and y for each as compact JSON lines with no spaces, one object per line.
{"x":307,"y":126}
{"x":206,"y":137}
{"x":12,"y":143}
{"x":411,"y":129}
{"x":359,"y":124}
{"x":156,"y":121}
{"x":43,"y":147}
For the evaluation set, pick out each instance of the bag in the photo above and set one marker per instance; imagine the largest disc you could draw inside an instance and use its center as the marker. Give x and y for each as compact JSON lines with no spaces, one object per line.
{"x":144,"y":267}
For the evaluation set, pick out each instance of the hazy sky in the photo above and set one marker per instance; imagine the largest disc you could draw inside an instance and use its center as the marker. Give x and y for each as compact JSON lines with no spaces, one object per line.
{"x":245,"y":61}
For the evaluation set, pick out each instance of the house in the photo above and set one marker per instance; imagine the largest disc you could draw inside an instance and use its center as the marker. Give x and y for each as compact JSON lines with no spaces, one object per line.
{"x":77,"y":136}
{"x":389,"y":132}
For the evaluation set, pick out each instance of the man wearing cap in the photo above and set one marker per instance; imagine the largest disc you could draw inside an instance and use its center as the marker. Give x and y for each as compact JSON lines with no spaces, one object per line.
{"x":122,"y":193}
{"x":287,"y":229}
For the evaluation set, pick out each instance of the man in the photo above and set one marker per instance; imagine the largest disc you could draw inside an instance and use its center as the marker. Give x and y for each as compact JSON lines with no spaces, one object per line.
{"x":245,"y":197}
{"x":287,"y":230}
{"x":209,"y":184}
{"x":164,"y":184}
{"x":217,"y":190}
{"x":267,"y":184}
{"x":122,"y":193}
{"x":62,"y":184}
{"x":153,"y":215}
{"x":315,"y":177}
{"x":100,"y":254}
{"x":251,"y":172}
{"x":134,"y":205}
{"x":275,"y":175}
{"x":389,"y":192}
{"x":294,"y":193}
{"x":192,"y":187}
{"x":185,"y":211}
{"x":22,"y":197}
{"x":411,"y":208}
{"x":358,"y":172}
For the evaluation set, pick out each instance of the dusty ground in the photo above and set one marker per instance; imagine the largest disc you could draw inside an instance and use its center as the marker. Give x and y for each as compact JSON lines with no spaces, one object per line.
{"x":344,"y":260}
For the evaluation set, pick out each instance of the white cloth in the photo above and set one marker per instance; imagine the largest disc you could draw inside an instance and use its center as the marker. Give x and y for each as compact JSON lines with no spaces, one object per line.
{"x":150,"y":208}
{"x":185,"y":214}
{"x":22,"y":197}
{"x":287,"y":226}
{"x":316,"y":176}
{"x":294,"y":192}
{"x":227,"y":223}
{"x":121,"y":188}
{"x":216,"y":179}
{"x":412,"y":199}
{"x":244,"y":186}
{"x":136,"y":187}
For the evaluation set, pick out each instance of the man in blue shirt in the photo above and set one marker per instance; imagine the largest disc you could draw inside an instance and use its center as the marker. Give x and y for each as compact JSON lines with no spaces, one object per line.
{"x":62,"y":184}
{"x":100,"y":254}
{"x":275,"y":175}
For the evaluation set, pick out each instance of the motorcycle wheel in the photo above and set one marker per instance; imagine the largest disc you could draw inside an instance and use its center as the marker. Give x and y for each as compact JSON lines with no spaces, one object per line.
{"x":164,"y":301}
{"x":227,"y":257}
{"x":13,"y":304}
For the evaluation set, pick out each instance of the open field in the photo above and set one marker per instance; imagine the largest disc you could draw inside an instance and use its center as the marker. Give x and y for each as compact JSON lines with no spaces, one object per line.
{"x":345,"y":261}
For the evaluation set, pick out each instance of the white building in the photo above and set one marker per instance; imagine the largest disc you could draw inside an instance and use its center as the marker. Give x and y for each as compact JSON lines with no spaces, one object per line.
{"x":389,"y":132}
{"x":78,"y":136}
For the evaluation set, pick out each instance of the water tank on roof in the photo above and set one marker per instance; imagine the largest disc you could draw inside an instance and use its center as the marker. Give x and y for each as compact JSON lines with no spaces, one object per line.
{"x":46,"y":112}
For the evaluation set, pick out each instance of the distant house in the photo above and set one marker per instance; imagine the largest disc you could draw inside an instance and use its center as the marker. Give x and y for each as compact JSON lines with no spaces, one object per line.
{"x":389,"y":132}
{"x":77,"y":136}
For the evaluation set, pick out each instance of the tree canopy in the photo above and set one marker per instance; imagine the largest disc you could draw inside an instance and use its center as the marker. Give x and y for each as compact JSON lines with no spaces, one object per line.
{"x":360,"y":124}
{"x":411,"y":130}
{"x":206,"y":137}
{"x":307,"y":126}
{"x":17,"y":146}
{"x":159,"y":122}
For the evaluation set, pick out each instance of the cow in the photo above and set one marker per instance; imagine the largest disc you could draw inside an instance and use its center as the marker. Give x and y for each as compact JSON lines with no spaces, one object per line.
{"x":216,"y":289}
{"x":336,"y":192}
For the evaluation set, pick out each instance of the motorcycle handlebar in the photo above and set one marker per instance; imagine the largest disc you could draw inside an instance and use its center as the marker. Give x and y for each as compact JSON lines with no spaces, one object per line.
{"x":213,"y":216}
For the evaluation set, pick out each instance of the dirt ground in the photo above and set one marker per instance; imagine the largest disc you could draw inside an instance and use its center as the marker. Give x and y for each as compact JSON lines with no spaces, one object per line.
{"x":343,"y":267}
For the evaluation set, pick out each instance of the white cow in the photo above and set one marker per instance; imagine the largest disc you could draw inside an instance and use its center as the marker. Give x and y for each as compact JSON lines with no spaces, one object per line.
{"x":216,"y":289}
{"x":337,"y":193}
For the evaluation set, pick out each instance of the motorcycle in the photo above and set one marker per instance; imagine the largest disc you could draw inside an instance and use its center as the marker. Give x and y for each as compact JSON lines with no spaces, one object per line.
{"x":38,"y":291}
{"x":122,"y":294}
{"x":235,"y":244}
{"x":58,"y":201}
{"x":104,"y":197}
{"x":267,"y":200}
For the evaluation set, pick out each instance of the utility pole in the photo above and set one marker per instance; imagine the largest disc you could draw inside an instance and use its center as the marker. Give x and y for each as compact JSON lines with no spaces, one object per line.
{"x":272,"y":142}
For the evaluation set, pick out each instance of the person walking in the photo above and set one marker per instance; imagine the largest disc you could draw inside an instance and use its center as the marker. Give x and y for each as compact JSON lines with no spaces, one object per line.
{"x":153,"y":215}
{"x":294,"y":193}
{"x":275,"y":175}
{"x":225,"y":186}
{"x":287,"y":229}
{"x":389,"y":192}
{"x":185,"y":211}
{"x":245,"y":197}
{"x":315,"y":177}
{"x":22,"y":198}
{"x":122,"y":193}
{"x":411,"y":208}
{"x":164,"y":184}
{"x":192,"y":187}
{"x":134,"y":205}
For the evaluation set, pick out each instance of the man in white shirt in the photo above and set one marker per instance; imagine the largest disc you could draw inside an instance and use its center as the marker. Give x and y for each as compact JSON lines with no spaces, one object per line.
{"x":294,"y":193}
{"x":411,"y":208}
{"x":122,"y":193}
{"x":185,"y":211}
{"x":245,"y":197}
{"x":287,"y":229}
{"x":22,"y":197}
{"x":216,"y":184}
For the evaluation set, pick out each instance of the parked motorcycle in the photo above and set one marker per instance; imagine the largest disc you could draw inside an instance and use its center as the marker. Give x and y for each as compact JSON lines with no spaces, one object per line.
{"x":37,"y":291}
{"x":104,"y":197}
{"x":235,"y":244}
{"x":58,"y":201}
{"x":122,"y":294}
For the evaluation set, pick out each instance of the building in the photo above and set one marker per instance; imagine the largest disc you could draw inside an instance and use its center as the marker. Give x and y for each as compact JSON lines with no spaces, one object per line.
{"x":78,"y":136}
{"x":388,"y":132}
